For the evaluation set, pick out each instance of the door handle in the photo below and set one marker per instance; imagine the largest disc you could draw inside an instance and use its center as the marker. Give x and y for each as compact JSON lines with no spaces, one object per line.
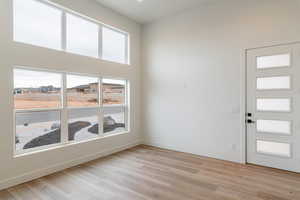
{"x":249,"y":121}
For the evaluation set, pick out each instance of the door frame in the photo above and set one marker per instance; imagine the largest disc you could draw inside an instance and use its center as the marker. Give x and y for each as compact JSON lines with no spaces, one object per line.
{"x":243,"y":96}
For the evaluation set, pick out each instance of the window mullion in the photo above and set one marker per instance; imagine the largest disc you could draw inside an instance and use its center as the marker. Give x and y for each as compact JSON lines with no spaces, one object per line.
{"x":127,"y":53}
{"x":101,"y":113}
{"x":64,"y":31}
{"x":64,"y":117}
{"x":100,"y":42}
{"x":127,"y":106}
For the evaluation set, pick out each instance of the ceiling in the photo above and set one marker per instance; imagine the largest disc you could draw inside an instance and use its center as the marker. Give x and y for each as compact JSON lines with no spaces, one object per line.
{"x":149,"y":10}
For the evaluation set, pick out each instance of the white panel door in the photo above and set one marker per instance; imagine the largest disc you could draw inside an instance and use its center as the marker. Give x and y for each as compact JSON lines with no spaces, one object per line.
{"x":273,"y":107}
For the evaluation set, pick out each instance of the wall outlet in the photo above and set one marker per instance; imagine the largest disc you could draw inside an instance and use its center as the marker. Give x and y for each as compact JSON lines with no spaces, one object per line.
{"x":234,"y":147}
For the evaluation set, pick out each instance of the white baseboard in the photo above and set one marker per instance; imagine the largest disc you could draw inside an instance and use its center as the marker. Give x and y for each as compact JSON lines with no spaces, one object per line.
{"x":155,"y":143}
{"x":59,"y":167}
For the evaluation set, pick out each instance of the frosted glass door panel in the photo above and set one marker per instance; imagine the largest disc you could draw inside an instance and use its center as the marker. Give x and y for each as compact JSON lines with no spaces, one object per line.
{"x":274,"y":148}
{"x":283,"y":60}
{"x":277,"y":105}
{"x":273,"y":126}
{"x":271,"y":83}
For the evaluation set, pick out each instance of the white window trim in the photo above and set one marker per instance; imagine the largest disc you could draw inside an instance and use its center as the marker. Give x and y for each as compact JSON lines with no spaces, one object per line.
{"x":63,"y":109}
{"x":66,"y":11}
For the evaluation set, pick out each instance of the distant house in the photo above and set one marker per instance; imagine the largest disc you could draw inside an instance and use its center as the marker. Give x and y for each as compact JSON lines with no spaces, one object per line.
{"x":90,"y":88}
{"x":47,"y":89}
{"x":42,"y":89}
{"x":113,"y":88}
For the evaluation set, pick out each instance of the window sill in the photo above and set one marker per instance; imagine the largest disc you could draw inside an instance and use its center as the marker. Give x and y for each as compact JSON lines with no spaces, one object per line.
{"x":24,"y":44}
{"x":64,"y":145}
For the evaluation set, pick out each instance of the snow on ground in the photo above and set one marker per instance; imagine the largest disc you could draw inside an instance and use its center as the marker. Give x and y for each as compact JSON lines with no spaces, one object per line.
{"x":27,"y":133}
{"x":32,"y":131}
{"x":84,"y":134}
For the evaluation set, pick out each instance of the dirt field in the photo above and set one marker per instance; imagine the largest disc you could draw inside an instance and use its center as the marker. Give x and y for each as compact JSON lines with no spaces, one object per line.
{"x":36,"y":101}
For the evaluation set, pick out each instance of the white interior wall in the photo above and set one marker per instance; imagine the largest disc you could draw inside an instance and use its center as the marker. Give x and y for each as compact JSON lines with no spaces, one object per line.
{"x":19,"y":169}
{"x":193,"y":66}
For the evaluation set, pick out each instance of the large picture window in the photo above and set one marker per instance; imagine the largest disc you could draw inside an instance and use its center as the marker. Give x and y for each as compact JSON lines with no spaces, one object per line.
{"x":41,"y":23}
{"x":53,"y":108}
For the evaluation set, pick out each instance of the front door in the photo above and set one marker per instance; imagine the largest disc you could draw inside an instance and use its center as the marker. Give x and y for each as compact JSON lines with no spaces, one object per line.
{"x":273,"y":107}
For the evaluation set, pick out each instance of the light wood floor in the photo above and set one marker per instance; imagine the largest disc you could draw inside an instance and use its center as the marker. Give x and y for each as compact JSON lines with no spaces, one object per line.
{"x":146,"y":172}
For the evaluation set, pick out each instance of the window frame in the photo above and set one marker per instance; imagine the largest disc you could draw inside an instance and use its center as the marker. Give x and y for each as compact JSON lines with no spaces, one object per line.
{"x":72,"y":108}
{"x":64,"y":112}
{"x":65,"y":36}
{"x":48,"y":4}
{"x":63,"y":46}
{"x":125,"y":106}
{"x":126,"y":50}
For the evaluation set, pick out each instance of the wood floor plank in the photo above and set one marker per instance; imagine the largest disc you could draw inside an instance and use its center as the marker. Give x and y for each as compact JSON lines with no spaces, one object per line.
{"x":150,"y":173}
{"x":45,"y":191}
{"x":23,"y":192}
{"x":5,"y":195}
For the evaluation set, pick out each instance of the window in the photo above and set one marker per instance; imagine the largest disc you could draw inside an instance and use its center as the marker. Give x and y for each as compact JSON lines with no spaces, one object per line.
{"x":45,"y":118}
{"x":114,"y":119}
{"x":83,"y":124}
{"x":114,"y":92}
{"x":82,"y":91}
{"x":36,"y":89}
{"x":40,"y":23}
{"x":37,"y":129}
{"x":115,"y":105}
{"x":37,"y":24}
{"x":37,"y":100}
{"x":82,"y":36}
{"x":114,"y":45}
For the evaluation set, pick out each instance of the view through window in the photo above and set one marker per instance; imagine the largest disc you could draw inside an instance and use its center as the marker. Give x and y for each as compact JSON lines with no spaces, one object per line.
{"x":37,"y":100}
{"x":114,"y":105}
{"x":39,"y":107}
{"x":82,"y":96}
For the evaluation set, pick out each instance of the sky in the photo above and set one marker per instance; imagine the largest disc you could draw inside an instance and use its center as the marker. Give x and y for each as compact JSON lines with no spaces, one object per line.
{"x":24,"y":78}
{"x":35,"y":79}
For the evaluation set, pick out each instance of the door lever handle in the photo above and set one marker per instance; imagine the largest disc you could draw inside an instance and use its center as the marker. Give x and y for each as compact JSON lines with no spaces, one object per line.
{"x":249,"y":121}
